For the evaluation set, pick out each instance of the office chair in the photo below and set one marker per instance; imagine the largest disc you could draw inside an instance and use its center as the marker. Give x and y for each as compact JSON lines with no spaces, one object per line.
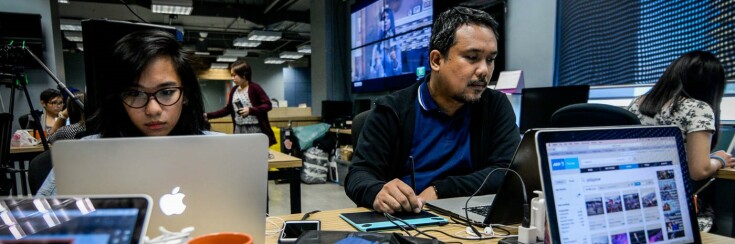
{"x":38,"y":170}
{"x":592,"y":114}
{"x":357,"y":124}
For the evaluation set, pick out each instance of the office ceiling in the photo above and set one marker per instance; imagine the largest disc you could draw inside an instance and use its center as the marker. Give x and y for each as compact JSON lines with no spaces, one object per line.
{"x":221,"y":20}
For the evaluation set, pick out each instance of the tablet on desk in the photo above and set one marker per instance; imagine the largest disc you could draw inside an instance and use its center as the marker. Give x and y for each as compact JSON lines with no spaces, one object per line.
{"x":372,"y":221}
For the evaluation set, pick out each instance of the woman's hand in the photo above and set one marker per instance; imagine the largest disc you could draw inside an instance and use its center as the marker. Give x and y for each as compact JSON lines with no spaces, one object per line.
{"x":243,"y":112}
{"x":729,"y":160}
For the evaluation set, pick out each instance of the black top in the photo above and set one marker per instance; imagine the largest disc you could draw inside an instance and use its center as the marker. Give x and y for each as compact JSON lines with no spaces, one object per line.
{"x":385,"y":144}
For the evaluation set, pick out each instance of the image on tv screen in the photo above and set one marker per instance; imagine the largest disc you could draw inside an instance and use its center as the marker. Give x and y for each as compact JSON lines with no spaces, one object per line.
{"x":390,"y":38}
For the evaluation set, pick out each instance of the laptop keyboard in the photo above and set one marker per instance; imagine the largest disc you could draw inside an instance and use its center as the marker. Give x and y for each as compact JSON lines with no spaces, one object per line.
{"x":481,"y":210}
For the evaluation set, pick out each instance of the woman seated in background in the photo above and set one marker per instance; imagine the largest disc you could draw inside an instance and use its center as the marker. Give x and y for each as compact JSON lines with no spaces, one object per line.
{"x":688,"y":95}
{"x":52,"y":103}
{"x":75,"y":115}
{"x":155,"y":93}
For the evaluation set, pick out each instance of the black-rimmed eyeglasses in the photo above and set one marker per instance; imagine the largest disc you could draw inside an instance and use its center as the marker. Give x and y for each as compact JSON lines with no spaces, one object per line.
{"x":137,"y":99}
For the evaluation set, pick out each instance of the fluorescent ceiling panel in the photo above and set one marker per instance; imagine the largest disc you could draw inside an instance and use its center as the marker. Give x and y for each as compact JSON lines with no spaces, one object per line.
{"x":267,"y":36}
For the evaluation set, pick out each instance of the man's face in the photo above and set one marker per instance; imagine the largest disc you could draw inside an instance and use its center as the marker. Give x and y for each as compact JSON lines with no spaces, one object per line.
{"x":464,"y":72}
{"x":54,"y":105}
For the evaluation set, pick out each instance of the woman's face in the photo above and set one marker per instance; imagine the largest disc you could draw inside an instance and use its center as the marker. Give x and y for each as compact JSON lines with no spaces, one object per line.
{"x":154,"y":119}
{"x":236,"y":78}
{"x":53,"y":106}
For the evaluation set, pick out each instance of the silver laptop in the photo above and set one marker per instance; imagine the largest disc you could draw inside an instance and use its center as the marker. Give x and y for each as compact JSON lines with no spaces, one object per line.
{"x":502,"y":208}
{"x":617,"y":185}
{"x":214,"y":183}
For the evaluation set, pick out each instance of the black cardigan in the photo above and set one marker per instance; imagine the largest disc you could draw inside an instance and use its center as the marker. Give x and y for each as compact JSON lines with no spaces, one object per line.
{"x":385,"y":144}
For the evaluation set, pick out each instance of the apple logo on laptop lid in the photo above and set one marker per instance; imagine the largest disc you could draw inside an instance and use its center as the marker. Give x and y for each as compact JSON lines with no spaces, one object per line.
{"x":173,"y":203}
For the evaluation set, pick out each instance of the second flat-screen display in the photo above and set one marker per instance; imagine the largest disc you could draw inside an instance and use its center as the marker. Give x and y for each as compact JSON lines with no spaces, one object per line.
{"x":390,"y":43}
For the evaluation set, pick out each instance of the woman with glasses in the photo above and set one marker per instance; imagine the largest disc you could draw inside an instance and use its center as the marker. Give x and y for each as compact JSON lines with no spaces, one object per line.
{"x":155,"y":93}
{"x":52,"y":104}
{"x":248,"y":104}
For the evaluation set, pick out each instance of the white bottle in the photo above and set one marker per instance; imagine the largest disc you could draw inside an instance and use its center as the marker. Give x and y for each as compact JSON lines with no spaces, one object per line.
{"x":538,"y":214}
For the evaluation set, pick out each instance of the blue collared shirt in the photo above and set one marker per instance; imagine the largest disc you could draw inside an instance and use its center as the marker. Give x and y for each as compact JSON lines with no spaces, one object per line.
{"x":441,"y":144}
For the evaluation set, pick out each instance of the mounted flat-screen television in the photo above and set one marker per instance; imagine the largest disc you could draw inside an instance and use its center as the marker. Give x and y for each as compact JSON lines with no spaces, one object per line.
{"x":389,"y":43}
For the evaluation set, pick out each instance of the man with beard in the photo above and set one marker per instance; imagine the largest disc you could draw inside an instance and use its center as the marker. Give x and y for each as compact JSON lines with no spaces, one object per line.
{"x":440,"y":137}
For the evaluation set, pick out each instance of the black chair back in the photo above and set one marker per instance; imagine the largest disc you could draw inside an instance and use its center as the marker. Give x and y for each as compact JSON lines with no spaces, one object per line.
{"x":357,"y":124}
{"x":591,"y":114}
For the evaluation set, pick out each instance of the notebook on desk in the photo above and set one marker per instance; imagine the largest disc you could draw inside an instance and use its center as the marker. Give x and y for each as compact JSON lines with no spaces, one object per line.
{"x":80,"y":219}
{"x":503,"y":207}
{"x":214,"y":183}
{"x":617,"y":185}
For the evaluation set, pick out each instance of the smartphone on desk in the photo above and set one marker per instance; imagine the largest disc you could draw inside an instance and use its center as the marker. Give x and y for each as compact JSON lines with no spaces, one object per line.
{"x":294,"y":228}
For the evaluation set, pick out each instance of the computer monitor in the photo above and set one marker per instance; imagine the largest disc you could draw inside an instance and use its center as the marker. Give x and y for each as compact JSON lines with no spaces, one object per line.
{"x":332,"y":110}
{"x":538,"y":104}
{"x":727,"y":133}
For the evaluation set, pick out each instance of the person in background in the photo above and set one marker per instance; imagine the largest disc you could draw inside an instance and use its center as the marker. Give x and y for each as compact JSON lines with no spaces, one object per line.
{"x":688,"y":94}
{"x":75,"y":116}
{"x":52,"y":103}
{"x":156,"y":93}
{"x":391,"y":53}
{"x":450,"y":126}
{"x":248,"y":104}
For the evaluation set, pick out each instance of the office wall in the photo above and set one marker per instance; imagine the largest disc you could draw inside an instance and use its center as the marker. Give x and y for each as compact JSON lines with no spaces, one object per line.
{"x":52,"y":55}
{"x":530,"y":31}
{"x":297,"y":86}
{"x":269,"y":76}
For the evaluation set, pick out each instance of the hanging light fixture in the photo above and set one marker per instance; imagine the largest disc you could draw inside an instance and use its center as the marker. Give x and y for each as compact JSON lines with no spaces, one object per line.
{"x":180,"y":7}
{"x":268,"y":36}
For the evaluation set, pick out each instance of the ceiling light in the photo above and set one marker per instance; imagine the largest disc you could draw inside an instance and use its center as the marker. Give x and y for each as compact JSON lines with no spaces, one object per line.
{"x":235,"y":52}
{"x":80,"y":46}
{"x":304,"y":49}
{"x":63,"y":1}
{"x":244,"y":42}
{"x":203,"y":34}
{"x":291,"y":55}
{"x":274,"y":61}
{"x":215,"y":49}
{"x":201,"y":53}
{"x":268,"y":36}
{"x":74,"y":36}
{"x":228,"y":59}
{"x":180,"y":7}
{"x":219,"y":66}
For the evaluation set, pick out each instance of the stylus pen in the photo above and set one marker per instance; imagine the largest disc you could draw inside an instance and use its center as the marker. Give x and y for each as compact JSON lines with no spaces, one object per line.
{"x":413,"y":173}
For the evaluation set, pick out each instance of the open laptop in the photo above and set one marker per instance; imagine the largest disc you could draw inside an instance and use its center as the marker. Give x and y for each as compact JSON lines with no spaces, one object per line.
{"x":214,"y":183}
{"x":80,"y":219}
{"x":617,"y":185}
{"x":505,"y":207}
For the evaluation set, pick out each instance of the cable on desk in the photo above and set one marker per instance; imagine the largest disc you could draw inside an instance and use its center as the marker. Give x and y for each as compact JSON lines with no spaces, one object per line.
{"x":276,"y":222}
{"x":407,"y":224}
{"x":306,"y":215}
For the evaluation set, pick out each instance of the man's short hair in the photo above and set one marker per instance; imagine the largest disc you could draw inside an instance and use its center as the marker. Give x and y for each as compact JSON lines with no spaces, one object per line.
{"x":49,"y":94}
{"x":443,"y":33}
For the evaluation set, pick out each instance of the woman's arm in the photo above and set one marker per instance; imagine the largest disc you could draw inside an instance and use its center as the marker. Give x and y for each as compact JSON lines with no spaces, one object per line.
{"x":701,"y":165}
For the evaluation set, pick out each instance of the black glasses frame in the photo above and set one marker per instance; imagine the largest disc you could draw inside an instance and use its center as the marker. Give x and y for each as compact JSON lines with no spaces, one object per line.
{"x":153,"y":94}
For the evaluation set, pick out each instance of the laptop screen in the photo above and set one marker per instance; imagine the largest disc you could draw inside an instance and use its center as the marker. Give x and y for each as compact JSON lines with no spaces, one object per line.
{"x":627,"y":188}
{"x":73,"y":220}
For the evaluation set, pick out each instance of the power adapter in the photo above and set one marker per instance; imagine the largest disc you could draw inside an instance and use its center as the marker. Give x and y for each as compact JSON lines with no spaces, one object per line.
{"x":526,"y":235}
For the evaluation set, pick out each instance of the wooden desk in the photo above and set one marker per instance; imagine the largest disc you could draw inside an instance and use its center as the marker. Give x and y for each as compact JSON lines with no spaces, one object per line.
{"x":289,"y":168}
{"x":726,"y":173}
{"x":341,"y":131}
{"x":331,"y":221}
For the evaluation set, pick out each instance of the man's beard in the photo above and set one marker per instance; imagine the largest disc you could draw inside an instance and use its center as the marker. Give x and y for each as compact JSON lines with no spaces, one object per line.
{"x":470,"y":98}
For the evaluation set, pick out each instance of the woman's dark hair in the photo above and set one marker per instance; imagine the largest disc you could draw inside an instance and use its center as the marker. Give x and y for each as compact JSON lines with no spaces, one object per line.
{"x":242,"y":69}
{"x":698,"y":75}
{"x":392,"y":29}
{"x":75,"y":113}
{"x":49,"y":94}
{"x":444,"y":32}
{"x":131,"y":57}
